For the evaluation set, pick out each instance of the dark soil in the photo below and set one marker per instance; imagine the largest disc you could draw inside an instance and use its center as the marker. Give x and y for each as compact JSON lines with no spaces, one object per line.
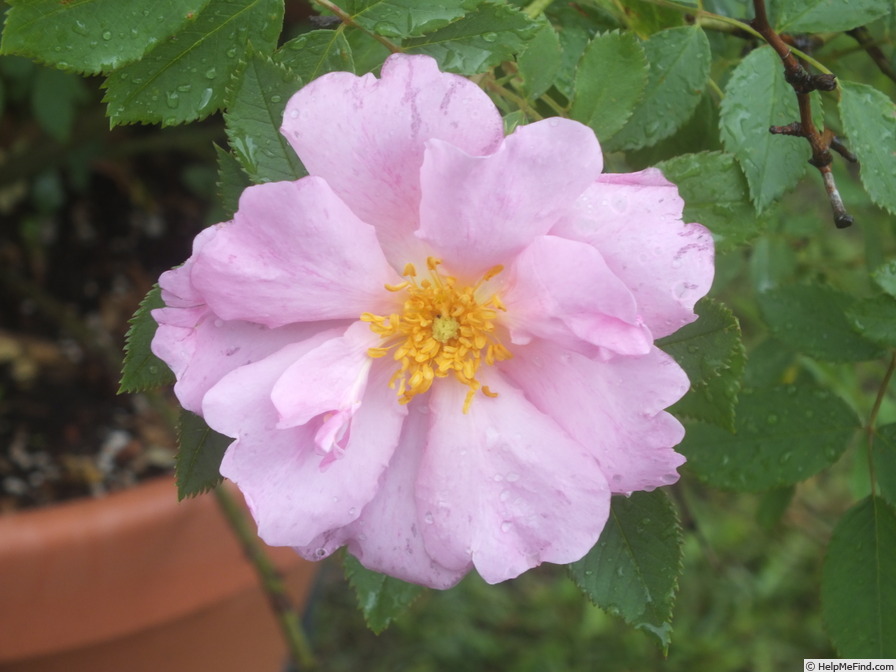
{"x":86,"y":227}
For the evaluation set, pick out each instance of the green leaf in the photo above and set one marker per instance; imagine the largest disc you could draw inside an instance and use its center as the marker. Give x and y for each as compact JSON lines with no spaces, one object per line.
{"x":884,"y":456}
{"x":813,"y":319}
{"x":199,"y":456}
{"x":541,"y":60}
{"x":254,"y":118}
{"x":574,"y":36}
{"x":869,"y":119}
{"x":315,"y":53}
{"x":645,"y":18}
{"x":757,"y":97}
{"x":92,"y":36}
{"x":232,"y":181}
{"x":773,"y":505}
{"x":828,"y":16}
{"x":633,"y":569}
{"x":610,"y":80}
{"x":711,"y":352}
{"x":367,"y":53}
{"x":770,"y":363}
{"x":698,"y":134}
{"x":783,"y":435}
{"x":875,"y":319}
{"x":858,"y":582}
{"x":772,"y":262}
{"x":405,"y":18}
{"x":679,"y":60}
{"x":885,"y":277}
{"x":381,"y":598}
{"x":477,"y":42}
{"x":142,"y":370}
{"x":715,"y":194}
{"x":512,"y":120}
{"x":185,"y":78}
{"x":55,"y":99}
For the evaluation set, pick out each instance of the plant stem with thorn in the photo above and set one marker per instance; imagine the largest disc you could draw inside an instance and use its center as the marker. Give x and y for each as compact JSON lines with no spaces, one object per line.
{"x":803,"y":84}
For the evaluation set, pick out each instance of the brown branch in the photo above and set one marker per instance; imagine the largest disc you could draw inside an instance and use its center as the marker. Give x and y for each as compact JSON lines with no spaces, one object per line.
{"x":347,"y":19}
{"x":863,"y":37}
{"x":838,"y":146}
{"x":803,"y":84}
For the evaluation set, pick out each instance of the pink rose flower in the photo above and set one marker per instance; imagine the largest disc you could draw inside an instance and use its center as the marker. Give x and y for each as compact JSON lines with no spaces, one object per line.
{"x":437,"y":349}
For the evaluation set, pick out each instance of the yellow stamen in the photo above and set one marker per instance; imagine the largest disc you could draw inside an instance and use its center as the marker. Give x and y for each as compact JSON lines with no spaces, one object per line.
{"x":398,"y":287}
{"x":442,"y":329}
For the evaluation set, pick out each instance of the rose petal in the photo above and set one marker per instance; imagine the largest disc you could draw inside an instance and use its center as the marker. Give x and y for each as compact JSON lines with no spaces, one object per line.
{"x":366,"y":136}
{"x":563,"y":291}
{"x":504,"y":486}
{"x":177,"y":287}
{"x":295,"y":494}
{"x":479,"y":211}
{"x":387,"y":536}
{"x":329,"y":379}
{"x":613,"y":408}
{"x":199,"y":347}
{"x":634,"y":219}
{"x":293,"y":253}
{"x":203,"y":354}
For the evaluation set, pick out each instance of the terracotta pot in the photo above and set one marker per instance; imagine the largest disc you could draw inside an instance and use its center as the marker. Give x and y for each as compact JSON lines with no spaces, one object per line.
{"x":139,"y":582}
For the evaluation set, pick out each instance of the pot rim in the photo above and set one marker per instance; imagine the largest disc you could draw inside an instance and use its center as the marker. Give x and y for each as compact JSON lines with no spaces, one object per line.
{"x":90,"y":570}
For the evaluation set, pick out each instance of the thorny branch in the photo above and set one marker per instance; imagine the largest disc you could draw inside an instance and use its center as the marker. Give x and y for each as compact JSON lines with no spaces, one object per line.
{"x":803,"y":84}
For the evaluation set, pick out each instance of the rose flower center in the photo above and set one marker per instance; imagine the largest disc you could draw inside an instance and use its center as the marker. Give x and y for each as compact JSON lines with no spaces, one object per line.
{"x":443,"y":329}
